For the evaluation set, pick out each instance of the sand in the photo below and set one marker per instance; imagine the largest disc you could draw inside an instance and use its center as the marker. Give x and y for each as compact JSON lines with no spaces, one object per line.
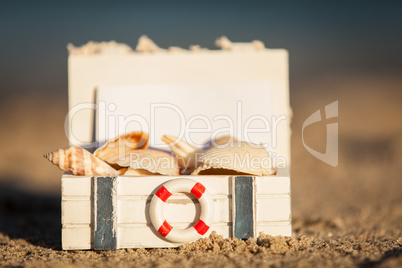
{"x":348,"y":216}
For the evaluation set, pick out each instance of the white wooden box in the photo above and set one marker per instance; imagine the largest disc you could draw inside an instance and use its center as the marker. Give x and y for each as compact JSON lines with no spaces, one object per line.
{"x":130,"y":224}
{"x":111,"y":213}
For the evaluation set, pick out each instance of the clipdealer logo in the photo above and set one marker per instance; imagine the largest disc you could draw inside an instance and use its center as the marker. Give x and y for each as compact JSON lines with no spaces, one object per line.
{"x":330,"y":156}
{"x":109,"y":123}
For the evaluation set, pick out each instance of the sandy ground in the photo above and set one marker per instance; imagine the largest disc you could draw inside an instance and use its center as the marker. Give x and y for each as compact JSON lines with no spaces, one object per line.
{"x":348,"y":216}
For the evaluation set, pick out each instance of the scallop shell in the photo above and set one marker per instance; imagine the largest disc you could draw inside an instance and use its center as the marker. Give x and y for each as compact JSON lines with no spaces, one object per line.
{"x":239,"y":156}
{"x":120,"y":148}
{"x":152,"y":160}
{"x":225,"y":139}
{"x":221,"y":141}
{"x":184,"y":152}
{"x":79,"y":161}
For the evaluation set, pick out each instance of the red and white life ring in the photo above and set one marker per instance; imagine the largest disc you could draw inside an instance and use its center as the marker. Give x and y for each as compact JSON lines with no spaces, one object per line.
{"x":174,"y":234}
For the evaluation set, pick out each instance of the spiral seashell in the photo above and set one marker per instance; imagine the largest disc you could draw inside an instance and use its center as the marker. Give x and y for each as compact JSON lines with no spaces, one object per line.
{"x":79,"y":161}
{"x":184,"y":152}
{"x":120,"y":148}
{"x":238,"y":156}
{"x":153,"y":161}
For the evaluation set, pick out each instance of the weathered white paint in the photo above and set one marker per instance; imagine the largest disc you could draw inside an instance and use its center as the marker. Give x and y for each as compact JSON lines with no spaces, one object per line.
{"x":211,"y":68}
{"x":115,"y":67}
{"x":76,"y":237}
{"x":133,"y":194}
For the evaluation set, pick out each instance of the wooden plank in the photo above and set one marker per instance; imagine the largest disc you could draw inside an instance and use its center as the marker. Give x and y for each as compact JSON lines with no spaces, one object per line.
{"x":77,"y":237}
{"x":105,"y":203}
{"x":273,"y":208}
{"x":76,"y":211}
{"x":272,"y":185}
{"x":133,"y":186}
{"x":75,"y":185}
{"x":243,"y":223}
{"x":274,"y":228}
{"x":178,"y":208}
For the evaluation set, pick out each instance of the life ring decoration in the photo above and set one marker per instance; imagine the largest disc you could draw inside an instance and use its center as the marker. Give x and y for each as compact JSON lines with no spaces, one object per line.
{"x":193,"y":232}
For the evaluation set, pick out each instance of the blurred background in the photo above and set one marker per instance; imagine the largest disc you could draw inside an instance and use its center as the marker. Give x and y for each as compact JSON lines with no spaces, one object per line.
{"x":350,"y":51}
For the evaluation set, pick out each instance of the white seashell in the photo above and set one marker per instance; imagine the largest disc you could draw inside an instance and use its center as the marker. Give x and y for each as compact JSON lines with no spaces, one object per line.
{"x":152,"y":160}
{"x":145,"y":44}
{"x":120,"y":148}
{"x":139,"y":172}
{"x":222,"y":141}
{"x":79,"y":161}
{"x":122,"y":171}
{"x":184,"y":152}
{"x":224,"y":43}
{"x":239,"y":156}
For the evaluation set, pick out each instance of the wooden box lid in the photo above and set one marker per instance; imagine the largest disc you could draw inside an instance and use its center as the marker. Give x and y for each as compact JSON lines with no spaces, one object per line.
{"x":203,"y":84}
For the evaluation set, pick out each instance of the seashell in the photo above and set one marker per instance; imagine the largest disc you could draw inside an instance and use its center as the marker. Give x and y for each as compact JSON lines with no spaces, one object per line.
{"x":205,"y":169}
{"x":121,"y":171}
{"x":239,"y":156}
{"x":222,"y":141}
{"x":225,"y":139}
{"x":120,"y":148}
{"x":138,"y":172}
{"x":79,"y":161}
{"x":184,"y":152}
{"x":145,"y":44}
{"x":152,"y":160}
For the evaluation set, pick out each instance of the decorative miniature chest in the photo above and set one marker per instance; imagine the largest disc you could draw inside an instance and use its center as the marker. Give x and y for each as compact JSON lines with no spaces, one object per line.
{"x":243,"y":207}
{"x":196,"y":94}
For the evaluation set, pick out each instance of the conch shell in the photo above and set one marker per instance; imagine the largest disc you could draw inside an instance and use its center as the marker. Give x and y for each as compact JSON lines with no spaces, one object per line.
{"x":120,"y":148}
{"x":151,"y":160}
{"x":79,"y":161}
{"x":184,"y":152}
{"x":236,"y":158}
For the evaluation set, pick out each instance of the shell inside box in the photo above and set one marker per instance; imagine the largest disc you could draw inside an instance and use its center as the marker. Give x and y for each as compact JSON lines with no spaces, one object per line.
{"x":112,"y":213}
{"x":246,"y":83}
